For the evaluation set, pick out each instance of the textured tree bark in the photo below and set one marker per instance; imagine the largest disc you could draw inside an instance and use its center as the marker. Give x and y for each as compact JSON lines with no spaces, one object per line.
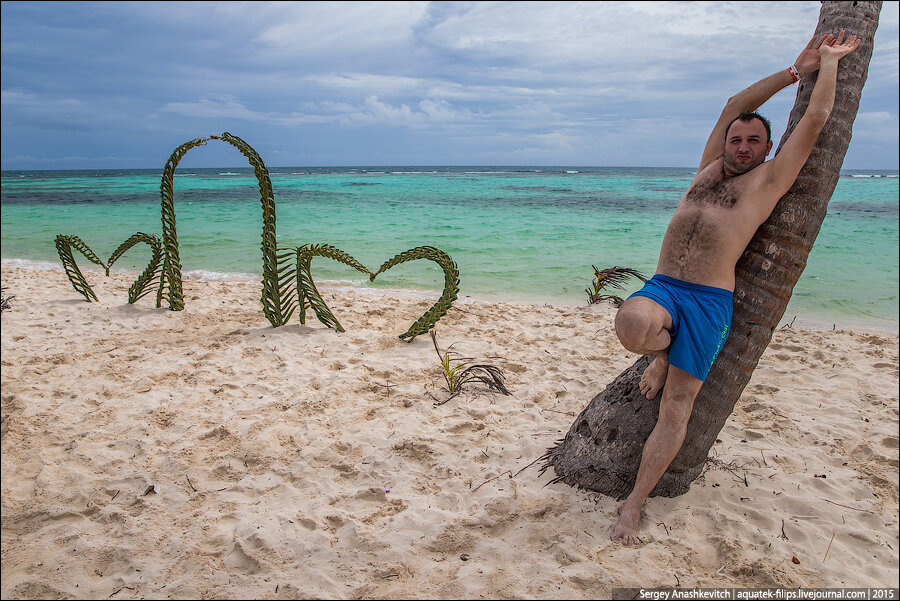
{"x":602,"y":450}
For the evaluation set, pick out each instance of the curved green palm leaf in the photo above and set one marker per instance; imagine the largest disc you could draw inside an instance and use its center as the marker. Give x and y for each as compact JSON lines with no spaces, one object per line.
{"x":141,"y":286}
{"x":449,"y":294}
{"x":64,"y":246}
{"x":306,"y":287}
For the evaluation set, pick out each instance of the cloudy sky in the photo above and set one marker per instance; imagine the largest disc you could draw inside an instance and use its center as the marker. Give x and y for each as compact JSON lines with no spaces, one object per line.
{"x":121,"y":84}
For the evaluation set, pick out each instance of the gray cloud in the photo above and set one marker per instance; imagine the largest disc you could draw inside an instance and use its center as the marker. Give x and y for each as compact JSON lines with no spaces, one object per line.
{"x":498,"y":82}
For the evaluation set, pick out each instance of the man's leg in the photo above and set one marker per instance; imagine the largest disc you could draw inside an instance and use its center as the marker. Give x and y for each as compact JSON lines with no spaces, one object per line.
{"x":642,"y":326}
{"x":662,"y":445}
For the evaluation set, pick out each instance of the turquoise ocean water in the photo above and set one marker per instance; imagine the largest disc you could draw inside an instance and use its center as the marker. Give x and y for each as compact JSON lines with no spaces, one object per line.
{"x":517,"y":233}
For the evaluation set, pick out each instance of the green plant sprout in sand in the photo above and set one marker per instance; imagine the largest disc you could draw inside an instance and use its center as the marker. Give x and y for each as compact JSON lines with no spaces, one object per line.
{"x":613,"y":277}
{"x":458,"y":375}
{"x":4,"y":302}
{"x":287,"y":281}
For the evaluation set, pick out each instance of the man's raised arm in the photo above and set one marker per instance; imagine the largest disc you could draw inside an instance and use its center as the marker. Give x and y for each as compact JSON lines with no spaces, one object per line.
{"x":782,"y":171}
{"x":756,"y":95}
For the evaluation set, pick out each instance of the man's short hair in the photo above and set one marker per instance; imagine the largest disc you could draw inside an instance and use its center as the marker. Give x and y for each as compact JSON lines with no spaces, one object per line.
{"x":747,"y":117}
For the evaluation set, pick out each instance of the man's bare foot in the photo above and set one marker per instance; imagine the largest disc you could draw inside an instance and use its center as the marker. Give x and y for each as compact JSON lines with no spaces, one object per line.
{"x":626,"y":530}
{"x":654,"y":377}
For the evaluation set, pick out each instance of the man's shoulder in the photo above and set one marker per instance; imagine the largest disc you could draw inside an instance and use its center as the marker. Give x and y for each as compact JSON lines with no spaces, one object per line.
{"x":713,"y":166}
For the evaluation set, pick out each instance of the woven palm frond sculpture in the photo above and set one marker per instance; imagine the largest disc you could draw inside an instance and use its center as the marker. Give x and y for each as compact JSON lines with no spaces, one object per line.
{"x":282,"y":265}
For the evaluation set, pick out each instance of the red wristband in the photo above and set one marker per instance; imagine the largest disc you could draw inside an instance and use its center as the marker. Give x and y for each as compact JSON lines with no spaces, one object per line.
{"x":795,"y":74}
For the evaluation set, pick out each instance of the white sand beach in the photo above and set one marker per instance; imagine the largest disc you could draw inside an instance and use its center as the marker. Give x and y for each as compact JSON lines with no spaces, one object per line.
{"x":148,"y":453}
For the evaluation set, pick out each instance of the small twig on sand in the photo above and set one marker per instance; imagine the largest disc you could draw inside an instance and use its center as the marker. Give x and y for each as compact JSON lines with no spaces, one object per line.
{"x":572,"y":413}
{"x":528,"y":466}
{"x":494,"y":478}
{"x":846,"y":506}
{"x":438,"y":403}
{"x":828,"y":549}
{"x":387,"y":386}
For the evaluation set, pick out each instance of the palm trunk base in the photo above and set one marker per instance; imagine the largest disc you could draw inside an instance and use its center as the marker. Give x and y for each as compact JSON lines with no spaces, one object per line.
{"x":602,"y":450}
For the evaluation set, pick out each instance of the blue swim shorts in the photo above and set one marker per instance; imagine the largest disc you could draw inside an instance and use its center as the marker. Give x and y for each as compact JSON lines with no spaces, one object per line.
{"x":701,"y":319}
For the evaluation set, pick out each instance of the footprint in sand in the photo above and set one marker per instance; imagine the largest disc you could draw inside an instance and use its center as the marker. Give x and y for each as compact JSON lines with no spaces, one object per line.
{"x":238,"y":559}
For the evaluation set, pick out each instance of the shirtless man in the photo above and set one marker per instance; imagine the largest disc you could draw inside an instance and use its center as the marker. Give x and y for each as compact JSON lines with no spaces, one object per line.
{"x":683,"y":314}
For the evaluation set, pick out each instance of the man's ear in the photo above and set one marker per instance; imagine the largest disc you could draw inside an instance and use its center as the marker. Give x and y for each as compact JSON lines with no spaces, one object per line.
{"x":768,"y":147}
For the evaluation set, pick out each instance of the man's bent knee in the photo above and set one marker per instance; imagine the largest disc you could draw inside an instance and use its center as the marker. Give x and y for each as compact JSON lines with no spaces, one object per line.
{"x":638,"y":323}
{"x":631,"y":328}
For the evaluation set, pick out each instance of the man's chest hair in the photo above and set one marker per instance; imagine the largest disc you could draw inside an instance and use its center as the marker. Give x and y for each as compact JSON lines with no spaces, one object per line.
{"x":713,"y":189}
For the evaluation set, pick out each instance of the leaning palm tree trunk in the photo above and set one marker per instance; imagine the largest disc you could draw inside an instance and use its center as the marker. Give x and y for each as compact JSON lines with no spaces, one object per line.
{"x":602,"y":450}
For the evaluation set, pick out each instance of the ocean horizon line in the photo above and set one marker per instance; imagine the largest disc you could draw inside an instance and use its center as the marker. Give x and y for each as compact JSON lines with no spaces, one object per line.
{"x":418,"y":168}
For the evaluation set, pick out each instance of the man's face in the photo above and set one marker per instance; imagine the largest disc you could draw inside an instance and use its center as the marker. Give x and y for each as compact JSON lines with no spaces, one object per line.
{"x":746,"y":146}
